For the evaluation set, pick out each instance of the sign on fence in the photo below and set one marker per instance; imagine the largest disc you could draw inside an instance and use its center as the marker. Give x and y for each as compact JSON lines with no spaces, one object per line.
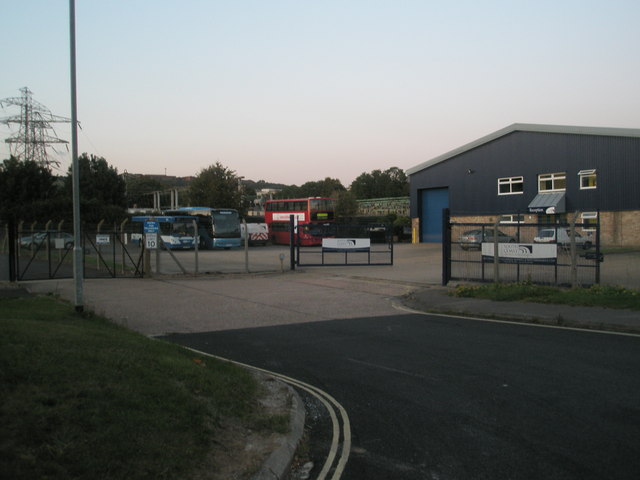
{"x":346,"y":244}
{"x":524,"y":253}
{"x":103,"y":239}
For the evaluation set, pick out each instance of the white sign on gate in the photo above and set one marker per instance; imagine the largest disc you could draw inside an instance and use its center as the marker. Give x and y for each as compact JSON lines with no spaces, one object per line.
{"x":346,"y":244}
{"x":531,"y":253}
{"x":103,"y":239}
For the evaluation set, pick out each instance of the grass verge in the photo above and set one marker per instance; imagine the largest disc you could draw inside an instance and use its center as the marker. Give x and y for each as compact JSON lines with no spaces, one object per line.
{"x":595,"y":296}
{"x":81,"y":397}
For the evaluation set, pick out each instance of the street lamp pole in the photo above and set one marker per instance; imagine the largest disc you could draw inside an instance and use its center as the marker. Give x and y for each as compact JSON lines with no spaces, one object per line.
{"x":75,"y":170}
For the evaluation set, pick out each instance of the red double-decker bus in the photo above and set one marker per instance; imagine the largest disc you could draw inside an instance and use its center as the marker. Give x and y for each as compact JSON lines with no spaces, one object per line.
{"x":313,"y":215}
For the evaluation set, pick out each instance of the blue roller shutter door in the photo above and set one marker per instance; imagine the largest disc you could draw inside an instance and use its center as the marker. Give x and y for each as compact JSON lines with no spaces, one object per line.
{"x":432,"y":202}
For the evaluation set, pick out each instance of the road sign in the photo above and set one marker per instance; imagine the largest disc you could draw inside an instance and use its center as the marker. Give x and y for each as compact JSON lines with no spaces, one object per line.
{"x":151,"y":226}
{"x":151,"y":241}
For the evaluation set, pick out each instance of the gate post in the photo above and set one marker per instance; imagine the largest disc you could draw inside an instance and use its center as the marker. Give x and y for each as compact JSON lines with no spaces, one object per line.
{"x":246,"y":244}
{"x":146,"y":262}
{"x":123,"y":240}
{"x":98,"y":246}
{"x":12,"y":239}
{"x":446,"y":246}
{"x":572,"y":250}
{"x":496,"y":252}
{"x":598,"y":248}
{"x":292,"y":242}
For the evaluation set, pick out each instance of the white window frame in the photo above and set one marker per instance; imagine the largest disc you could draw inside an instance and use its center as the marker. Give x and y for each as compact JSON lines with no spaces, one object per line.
{"x":554,"y":177}
{"x":584,"y":216}
{"x":512,"y":218}
{"x":587,"y":174}
{"x":511,"y":181}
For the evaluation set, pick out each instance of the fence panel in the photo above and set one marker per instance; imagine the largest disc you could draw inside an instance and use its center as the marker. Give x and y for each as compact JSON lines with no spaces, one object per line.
{"x":539,"y":253}
{"x":112,"y":253}
{"x":42,"y":252}
{"x":349,"y":245}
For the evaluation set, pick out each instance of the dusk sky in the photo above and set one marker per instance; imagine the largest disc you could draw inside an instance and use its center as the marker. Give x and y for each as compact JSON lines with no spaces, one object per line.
{"x":299,"y":90}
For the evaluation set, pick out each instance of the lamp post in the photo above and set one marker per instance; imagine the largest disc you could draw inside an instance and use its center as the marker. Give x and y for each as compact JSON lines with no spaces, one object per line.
{"x":75,"y":170}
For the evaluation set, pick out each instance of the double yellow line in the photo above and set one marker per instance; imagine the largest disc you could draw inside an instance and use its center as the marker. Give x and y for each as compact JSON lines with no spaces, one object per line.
{"x":336,"y":411}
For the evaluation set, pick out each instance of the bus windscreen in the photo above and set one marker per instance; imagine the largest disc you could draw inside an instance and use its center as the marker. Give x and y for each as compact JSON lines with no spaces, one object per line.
{"x":226,"y":223}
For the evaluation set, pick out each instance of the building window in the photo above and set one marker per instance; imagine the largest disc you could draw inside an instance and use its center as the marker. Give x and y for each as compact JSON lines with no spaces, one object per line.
{"x":552,"y":182}
{"x":510,"y":185}
{"x":589,"y":221}
{"x":512,"y":219}
{"x":587,"y":179}
{"x":552,"y":219}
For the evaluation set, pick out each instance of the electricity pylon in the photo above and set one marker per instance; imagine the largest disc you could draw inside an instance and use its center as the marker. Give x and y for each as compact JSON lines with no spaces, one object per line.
{"x":35,"y":131}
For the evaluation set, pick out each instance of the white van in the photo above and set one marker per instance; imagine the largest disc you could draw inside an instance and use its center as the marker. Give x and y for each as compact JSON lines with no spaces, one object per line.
{"x":562,"y":236}
{"x":258,"y":233}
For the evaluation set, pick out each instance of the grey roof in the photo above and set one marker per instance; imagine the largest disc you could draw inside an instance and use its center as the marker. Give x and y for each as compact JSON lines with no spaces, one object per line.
{"x":527,"y":127}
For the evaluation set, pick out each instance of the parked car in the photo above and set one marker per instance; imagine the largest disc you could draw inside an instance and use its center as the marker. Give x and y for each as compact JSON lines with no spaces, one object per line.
{"x":562,"y":236}
{"x":474,"y":238}
{"x":60,"y":240}
{"x":26,"y":241}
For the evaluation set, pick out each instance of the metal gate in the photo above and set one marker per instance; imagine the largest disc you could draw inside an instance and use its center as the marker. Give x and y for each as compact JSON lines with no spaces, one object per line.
{"x":41,"y":253}
{"x":347,"y":245}
{"x":560,"y":254}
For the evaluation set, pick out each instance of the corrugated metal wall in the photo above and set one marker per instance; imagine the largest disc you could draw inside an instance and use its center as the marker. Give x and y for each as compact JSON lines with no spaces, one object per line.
{"x":472,"y":177}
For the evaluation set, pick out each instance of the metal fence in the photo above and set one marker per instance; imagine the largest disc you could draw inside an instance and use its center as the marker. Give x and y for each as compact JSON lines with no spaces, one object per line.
{"x":560,"y":254}
{"x":349,"y":245}
{"x":40,"y":251}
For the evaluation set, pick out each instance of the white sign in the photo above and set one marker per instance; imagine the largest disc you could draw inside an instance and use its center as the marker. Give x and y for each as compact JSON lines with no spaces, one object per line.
{"x":522,"y":252}
{"x":151,"y":241}
{"x":346,"y":244}
{"x":103,"y":239}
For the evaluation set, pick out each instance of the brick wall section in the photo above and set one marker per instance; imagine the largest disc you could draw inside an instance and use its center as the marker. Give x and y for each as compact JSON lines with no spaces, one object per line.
{"x":620,"y":228}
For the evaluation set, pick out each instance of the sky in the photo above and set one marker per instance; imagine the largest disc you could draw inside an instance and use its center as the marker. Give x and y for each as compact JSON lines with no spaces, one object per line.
{"x":291,"y":91}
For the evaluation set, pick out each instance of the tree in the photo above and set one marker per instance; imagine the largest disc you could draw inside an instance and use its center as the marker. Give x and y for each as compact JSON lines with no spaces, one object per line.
{"x":27,"y":190}
{"x":217,"y":187}
{"x":324,"y":188}
{"x":378,"y":184}
{"x":320,"y":188}
{"x":139,"y":190}
{"x":346,"y":205}
{"x":102,"y":190}
{"x":291,"y":191}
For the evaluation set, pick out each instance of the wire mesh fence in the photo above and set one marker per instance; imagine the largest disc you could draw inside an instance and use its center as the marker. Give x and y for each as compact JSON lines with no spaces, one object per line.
{"x":552,"y":254}
{"x":45,"y":251}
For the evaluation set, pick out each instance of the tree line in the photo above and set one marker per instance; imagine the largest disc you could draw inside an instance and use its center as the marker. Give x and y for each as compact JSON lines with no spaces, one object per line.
{"x":31,"y":191}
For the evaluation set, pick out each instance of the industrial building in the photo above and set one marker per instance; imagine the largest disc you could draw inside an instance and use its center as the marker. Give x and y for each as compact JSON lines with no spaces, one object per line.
{"x":528,"y":173}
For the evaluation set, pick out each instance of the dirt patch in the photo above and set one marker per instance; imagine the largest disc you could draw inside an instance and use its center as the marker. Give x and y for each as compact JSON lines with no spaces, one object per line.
{"x":240,"y":452}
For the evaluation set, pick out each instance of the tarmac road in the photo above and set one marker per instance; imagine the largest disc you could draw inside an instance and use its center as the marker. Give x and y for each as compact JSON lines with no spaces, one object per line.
{"x":450,"y":398}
